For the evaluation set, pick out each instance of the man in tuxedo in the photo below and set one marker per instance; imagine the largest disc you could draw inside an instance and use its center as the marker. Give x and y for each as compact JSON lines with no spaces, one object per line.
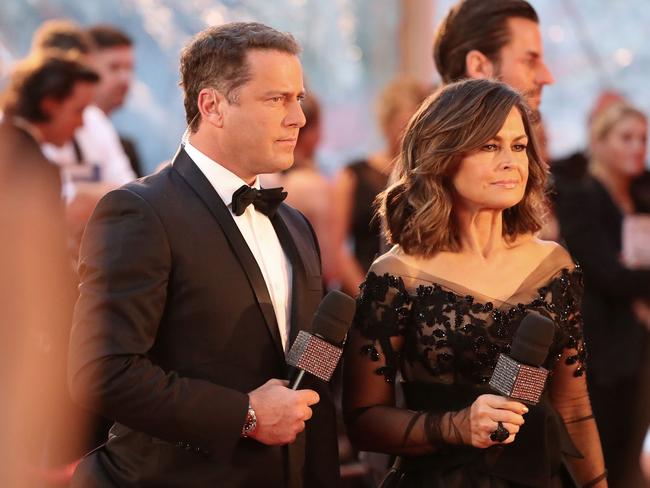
{"x":189,"y":297}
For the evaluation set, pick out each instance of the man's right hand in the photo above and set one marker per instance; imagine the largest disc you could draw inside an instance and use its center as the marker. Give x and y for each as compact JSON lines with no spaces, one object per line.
{"x":281,"y":413}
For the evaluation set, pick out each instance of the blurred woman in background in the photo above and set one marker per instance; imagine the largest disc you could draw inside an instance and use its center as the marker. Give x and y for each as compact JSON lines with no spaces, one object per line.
{"x":357,"y":185}
{"x":592,"y":214}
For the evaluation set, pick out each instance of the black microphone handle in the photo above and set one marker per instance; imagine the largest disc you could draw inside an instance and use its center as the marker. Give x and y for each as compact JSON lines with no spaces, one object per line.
{"x":295,"y":382}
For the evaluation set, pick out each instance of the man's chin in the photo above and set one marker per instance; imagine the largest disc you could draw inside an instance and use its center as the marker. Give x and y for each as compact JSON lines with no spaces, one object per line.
{"x":118,"y":100}
{"x":59,"y":141}
{"x":534,"y":100}
{"x":281,"y":164}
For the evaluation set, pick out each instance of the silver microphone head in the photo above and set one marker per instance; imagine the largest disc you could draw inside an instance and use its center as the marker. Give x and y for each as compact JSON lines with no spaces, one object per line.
{"x":314,"y":355}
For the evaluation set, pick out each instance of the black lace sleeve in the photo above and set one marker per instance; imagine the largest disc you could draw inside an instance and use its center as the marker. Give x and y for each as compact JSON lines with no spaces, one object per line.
{"x":563,"y":297}
{"x":371,"y":362}
{"x":383,"y":309}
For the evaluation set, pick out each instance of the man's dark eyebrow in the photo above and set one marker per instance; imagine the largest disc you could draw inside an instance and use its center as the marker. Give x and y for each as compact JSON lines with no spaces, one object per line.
{"x":283,"y":93}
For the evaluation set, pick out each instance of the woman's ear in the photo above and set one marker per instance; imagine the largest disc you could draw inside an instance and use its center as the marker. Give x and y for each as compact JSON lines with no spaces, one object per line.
{"x":211,"y":106}
{"x":595,"y":145}
{"x":478,"y":66}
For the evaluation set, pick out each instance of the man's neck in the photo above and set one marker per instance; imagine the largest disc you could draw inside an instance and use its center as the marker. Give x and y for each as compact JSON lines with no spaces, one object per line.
{"x":106,"y":109}
{"x":33,"y":130}
{"x":203,"y":144}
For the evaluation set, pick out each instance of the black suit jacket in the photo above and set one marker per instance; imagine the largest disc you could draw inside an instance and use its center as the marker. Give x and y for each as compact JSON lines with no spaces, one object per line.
{"x":591,"y":224}
{"x":174,"y":325}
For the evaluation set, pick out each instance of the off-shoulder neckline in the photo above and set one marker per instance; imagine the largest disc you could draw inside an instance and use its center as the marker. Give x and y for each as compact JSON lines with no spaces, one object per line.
{"x":462,"y":292}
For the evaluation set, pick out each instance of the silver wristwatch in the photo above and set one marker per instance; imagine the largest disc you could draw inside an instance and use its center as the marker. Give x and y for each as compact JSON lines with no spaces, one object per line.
{"x":251,"y":422}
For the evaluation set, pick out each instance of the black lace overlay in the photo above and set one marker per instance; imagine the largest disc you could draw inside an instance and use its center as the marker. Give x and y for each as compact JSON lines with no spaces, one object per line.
{"x":456,"y":339}
{"x":444,"y":341}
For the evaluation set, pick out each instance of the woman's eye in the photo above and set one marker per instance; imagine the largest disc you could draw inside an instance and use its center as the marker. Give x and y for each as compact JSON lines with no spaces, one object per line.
{"x":519,"y":147}
{"x":490,"y":147}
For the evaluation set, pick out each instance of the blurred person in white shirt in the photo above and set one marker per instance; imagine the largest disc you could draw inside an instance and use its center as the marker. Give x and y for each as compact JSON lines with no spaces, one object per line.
{"x":93,"y":162}
{"x":114,"y":60}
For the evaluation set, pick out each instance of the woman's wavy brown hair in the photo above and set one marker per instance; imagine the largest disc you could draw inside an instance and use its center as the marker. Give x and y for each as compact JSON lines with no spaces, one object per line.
{"x":417,"y":210}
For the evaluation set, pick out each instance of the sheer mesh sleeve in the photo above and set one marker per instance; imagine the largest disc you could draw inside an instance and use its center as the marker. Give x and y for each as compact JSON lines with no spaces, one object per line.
{"x":568,"y":387}
{"x":372,"y":359}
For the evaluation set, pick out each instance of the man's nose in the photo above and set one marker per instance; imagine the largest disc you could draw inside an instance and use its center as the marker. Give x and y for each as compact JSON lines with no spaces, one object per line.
{"x":295,"y":115}
{"x":544,"y":75}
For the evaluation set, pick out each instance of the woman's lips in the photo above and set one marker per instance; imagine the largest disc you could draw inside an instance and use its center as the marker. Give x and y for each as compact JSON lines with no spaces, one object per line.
{"x":509,"y":184}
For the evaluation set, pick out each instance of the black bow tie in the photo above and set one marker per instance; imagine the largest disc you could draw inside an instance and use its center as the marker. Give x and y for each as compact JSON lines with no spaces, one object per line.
{"x":266,"y":201}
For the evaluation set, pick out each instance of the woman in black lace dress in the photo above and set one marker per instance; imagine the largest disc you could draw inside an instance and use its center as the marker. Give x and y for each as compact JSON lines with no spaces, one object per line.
{"x":440,"y":306}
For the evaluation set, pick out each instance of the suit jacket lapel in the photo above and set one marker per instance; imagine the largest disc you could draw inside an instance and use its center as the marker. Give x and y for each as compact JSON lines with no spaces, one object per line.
{"x":297,"y":269}
{"x":281,"y":221}
{"x":184,"y":165}
{"x":298,"y":242}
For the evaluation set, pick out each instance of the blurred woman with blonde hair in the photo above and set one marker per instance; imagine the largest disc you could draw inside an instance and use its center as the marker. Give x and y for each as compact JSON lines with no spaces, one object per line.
{"x":357,"y":185}
{"x":592,"y":218}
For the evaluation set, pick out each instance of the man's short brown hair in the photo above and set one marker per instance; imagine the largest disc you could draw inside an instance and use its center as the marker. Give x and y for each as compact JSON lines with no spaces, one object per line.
{"x":106,"y":36}
{"x":475,"y":24}
{"x":216,"y":57}
{"x":62,"y":34}
{"x":45,"y":74}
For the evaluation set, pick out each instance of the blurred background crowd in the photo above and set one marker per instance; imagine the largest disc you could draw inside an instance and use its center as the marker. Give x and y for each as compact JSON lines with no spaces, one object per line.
{"x":95,"y":85}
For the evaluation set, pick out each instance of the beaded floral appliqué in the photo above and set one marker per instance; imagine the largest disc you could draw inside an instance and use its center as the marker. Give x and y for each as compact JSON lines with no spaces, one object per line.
{"x":457,"y":338}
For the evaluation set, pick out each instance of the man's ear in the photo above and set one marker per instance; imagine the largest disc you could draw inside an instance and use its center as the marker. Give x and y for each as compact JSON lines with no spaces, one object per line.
{"x":49,"y":106}
{"x":478,"y":66}
{"x":212,"y":105}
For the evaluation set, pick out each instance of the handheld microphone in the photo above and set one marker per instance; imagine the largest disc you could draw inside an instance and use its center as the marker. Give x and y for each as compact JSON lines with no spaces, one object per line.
{"x":318,"y":352}
{"x":520,"y":375}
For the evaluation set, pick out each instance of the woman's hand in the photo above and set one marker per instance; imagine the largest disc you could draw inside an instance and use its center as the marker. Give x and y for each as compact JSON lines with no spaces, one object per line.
{"x":484,"y":415}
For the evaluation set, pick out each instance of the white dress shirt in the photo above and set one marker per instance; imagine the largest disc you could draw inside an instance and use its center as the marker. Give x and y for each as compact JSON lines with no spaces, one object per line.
{"x":259,"y":234}
{"x":101,"y":149}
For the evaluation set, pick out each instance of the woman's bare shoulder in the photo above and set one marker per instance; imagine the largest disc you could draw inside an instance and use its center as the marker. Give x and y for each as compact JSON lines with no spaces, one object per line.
{"x":542,"y":250}
{"x":394,"y":262}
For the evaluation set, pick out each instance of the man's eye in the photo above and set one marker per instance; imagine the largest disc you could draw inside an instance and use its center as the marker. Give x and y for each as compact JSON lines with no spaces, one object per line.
{"x":276,"y":99}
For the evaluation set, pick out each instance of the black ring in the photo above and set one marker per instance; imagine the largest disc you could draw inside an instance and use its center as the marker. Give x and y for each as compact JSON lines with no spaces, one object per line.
{"x":500,"y":434}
